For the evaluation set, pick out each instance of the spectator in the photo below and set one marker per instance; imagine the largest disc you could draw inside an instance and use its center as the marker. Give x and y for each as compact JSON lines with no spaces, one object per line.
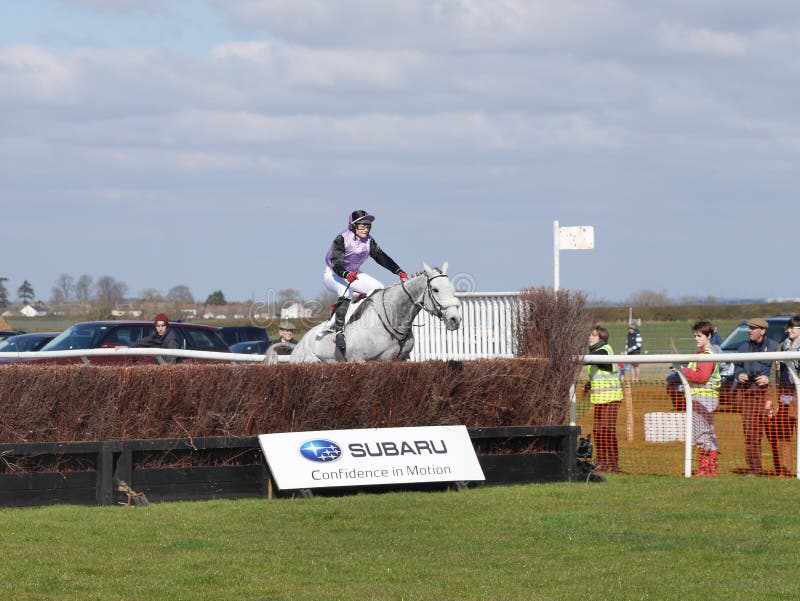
{"x":781,"y":423}
{"x":347,"y":254}
{"x":633,"y":346}
{"x":286,"y":342}
{"x":286,"y":332}
{"x":704,"y":381}
{"x":606,"y":396}
{"x":716,"y":339}
{"x":752,"y":382}
{"x":163,"y":337}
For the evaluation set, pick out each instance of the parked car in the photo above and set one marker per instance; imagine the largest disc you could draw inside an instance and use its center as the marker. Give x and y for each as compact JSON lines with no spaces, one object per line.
{"x":22,"y":343}
{"x":739,"y":334}
{"x":252,"y":347}
{"x":235,"y":334}
{"x":730,"y":344}
{"x":8,"y":333}
{"x":111,"y":334}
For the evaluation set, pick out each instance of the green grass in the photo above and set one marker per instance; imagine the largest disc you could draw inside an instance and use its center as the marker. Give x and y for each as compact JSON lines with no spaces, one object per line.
{"x":630,"y":538}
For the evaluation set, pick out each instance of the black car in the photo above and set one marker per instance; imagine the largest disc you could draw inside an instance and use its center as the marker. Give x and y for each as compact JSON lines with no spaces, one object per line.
{"x":111,"y":334}
{"x":8,"y":333}
{"x":26,"y":343}
{"x":252,"y":347}
{"x":740,"y":334}
{"x":235,"y":334}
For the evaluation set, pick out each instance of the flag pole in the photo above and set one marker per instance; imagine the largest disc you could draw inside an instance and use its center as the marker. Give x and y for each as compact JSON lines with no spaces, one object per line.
{"x":556,"y":249}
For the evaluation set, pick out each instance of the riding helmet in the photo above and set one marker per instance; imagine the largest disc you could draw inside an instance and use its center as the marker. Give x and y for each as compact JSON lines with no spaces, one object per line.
{"x":360,"y":217}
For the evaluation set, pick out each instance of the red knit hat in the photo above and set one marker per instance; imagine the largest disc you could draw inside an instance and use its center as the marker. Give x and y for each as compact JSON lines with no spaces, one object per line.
{"x":161,"y":317}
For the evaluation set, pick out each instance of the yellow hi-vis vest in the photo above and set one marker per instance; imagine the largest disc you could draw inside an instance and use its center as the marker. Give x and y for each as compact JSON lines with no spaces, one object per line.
{"x":708,"y":389}
{"x":605,"y":386}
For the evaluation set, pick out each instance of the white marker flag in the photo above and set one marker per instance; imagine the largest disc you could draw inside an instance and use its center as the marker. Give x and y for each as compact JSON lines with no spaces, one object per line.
{"x":578,"y":237}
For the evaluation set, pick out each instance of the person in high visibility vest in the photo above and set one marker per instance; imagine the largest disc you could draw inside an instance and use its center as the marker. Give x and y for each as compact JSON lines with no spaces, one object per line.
{"x":704,"y":382}
{"x":605,"y":394}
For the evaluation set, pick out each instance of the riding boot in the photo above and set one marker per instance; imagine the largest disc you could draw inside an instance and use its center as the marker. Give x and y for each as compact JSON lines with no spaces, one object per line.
{"x":713,"y":464}
{"x":702,"y":463}
{"x":338,"y":323}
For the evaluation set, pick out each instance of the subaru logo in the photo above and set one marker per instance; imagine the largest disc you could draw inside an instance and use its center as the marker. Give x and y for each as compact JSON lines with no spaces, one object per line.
{"x":321,"y":450}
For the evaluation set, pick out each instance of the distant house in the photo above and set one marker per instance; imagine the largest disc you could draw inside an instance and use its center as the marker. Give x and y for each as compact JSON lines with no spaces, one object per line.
{"x":126,"y":311}
{"x":188,"y":313}
{"x":34,"y":310}
{"x":296,"y":310}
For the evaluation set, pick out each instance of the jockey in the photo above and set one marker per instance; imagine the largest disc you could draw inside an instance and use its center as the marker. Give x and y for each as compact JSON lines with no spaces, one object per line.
{"x":346,"y":256}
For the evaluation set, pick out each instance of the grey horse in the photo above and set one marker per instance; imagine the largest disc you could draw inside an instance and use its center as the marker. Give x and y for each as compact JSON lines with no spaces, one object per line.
{"x":380,"y":327}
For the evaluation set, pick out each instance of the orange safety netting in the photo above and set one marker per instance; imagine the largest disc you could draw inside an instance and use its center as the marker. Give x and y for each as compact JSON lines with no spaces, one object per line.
{"x":650,"y":432}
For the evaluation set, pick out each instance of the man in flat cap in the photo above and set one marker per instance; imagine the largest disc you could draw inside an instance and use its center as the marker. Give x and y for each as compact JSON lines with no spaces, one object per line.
{"x":752,"y":381}
{"x":286,"y":343}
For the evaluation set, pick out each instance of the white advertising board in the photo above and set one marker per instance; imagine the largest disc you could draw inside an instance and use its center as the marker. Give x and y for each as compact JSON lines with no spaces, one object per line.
{"x":370,"y":457}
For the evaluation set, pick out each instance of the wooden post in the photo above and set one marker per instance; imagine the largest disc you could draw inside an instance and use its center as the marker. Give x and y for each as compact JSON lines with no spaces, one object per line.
{"x":628,"y":396}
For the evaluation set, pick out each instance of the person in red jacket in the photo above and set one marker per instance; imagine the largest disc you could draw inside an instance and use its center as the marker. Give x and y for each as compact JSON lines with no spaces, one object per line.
{"x":704,"y":381}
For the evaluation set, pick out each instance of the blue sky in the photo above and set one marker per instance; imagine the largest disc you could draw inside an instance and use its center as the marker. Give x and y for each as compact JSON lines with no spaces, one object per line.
{"x":221,"y":144}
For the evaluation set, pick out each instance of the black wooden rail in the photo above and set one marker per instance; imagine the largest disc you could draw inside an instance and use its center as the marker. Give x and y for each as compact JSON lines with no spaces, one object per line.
{"x":87,"y":473}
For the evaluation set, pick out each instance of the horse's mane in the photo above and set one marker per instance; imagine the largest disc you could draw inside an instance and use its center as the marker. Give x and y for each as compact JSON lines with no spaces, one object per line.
{"x":419,"y":273}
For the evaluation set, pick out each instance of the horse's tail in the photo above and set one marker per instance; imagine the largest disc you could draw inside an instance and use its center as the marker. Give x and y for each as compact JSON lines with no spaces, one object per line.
{"x":278,"y":348}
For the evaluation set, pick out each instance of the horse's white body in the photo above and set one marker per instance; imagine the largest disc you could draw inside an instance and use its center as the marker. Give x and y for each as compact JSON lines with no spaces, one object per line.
{"x":380,"y":327}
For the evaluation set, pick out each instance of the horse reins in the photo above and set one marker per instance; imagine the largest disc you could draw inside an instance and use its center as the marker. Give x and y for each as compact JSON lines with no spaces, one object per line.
{"x":439,"y":309}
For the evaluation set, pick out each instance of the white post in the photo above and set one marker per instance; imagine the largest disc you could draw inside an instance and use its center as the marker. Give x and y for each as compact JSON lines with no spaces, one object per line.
{"x":687,"y":450}
{"x":556,"y":248}
{"x":573,"y":406}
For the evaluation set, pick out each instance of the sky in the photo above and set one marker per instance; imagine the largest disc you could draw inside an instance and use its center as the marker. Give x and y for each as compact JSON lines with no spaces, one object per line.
{"x":222,"y":144}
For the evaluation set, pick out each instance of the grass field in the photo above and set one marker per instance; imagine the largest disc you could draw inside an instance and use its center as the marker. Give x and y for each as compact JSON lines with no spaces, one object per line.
{"x":633,"y":537}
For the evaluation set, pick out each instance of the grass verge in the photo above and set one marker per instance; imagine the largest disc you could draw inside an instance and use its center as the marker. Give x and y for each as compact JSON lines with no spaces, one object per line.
{"x":633,"y":537}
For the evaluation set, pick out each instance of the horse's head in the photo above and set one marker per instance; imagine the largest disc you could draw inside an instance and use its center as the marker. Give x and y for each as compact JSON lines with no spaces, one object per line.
{"x":440,"y":297}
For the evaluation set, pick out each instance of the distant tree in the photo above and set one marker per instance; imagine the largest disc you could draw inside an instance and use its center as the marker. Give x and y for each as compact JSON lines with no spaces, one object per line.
{"x":3,"y":293}
{"x":180,"y":295}
{"x":649,"y":298}
{"x":62,"y":290}
{"x":323,"y":302}
{"x":25,"y":293}
{"x":697,"y":300}
{"x":288,"y":295}
{"x":216,"y":298}
{"x":83,"y":288}
{"x":109,"y":293}
{"x":151,"y":295}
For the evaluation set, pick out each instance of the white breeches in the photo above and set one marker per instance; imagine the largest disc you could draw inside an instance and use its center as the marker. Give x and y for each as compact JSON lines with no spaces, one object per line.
{"x":365,"y":284}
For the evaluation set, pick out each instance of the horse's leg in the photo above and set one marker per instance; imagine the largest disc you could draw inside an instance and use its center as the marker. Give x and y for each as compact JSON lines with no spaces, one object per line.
{"x":405,"y":350}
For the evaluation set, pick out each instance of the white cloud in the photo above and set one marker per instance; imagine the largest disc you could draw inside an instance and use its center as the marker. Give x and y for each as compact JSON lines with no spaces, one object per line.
{"x":303,"y":66}
{"x":443,"y":24}
{"x":703,"y":41}
{"x":28,"y":73}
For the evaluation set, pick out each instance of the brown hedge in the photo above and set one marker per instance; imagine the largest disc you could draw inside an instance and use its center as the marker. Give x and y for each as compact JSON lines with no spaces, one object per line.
{"x":84,"y":403}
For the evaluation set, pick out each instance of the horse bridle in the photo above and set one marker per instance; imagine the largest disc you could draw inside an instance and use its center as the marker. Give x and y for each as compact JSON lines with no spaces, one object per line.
{"x":401,"y":336}
{"x":438,"y":307}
